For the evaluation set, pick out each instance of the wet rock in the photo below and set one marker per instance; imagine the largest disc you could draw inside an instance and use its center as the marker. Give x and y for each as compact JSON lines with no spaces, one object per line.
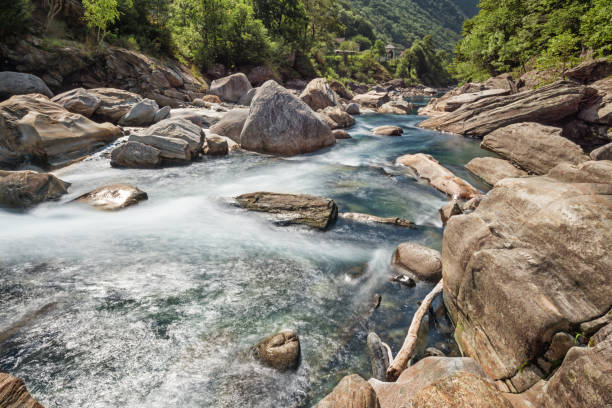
{"x":425,"y":263}
{"x":261,"y":74}
{"x":247,"y":98}
{"x":23,"y":189}
{"x":141,"y":114}
{"x":371,"y":99}
{"x":280,"y":123}
{"x":231,"y":125}
{"x":78,"y":101}
{"x":379,"y":357}
{"x":351,"y":392}
{"x":14,"y":393}
{"x":450,"y":209}
{"x":341,"y":134}
{"x":113,"y":197}
{"x":231,"y":88}
{"x":316,"y":212}
{"x":280,"y":351}
{"x":438,"y":176}
{"x":533,"y":147}
{"x":181,"y":129}
{"x":319,"y":95}
{"x":491,"y":169}
{"x":136,"y":155}
{"x":590,"y":71}
{"x":404,"y":280}
{"x":338,"y":119}
{"x":599,"y":111}
{"x":360,"y":217}
{"x":170,"y":148}
{"x":216,"y":146}
{"x":388,"y":130}
{"x":17,"y":83}
{"x":353,"y":108}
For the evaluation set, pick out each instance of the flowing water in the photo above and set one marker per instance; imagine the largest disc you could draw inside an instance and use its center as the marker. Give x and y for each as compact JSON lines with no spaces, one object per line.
{"x":157,"y":305}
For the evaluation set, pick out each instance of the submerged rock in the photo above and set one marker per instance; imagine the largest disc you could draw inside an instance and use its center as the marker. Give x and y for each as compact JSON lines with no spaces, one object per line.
{"x":492,"y":169}
{"x":351,"y":392}
{"x":316,"y":212}
{"x":23,"y":189}
{"x":341,"y":134}
{"x":319,"y":95}
{"x":360,"y":217}
{"x":388,"y":130}
{"x":280,"y":351}
{"x":425,"y":263}
{"x":14,"y":393}
{"x":113,"y":197}
{"x":231,"y":88}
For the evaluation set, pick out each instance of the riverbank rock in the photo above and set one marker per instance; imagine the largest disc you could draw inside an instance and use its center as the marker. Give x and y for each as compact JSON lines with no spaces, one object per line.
{"x":231,"y":125}
{"x":78,"y":101}
{"x":316,"y":212}
{"x":590,"y":71}
{"x":181,"y":129}
{"x":113,"y":197}
{"x":336,"y":118}
{"x":437,"y":106}
{"x":379,"y":357}
{"x":351,"y":392}
{"x":438,"y":176}
{"x":353,"y":108}
{"x":492,"y":169}
{"x":34,"y":128}
{"x":200,"y":117}
{"x":14,"y":393}
{"x":599,"y":111}
{"x":319,"y":95}
{"x":280,"y":351}
{"x":602,"y":153}
{"x":216,"y":146}
{"x":136,"y":155}
{"x":425,"y":263}
{"x":502,"y":81}
{"x":141,"y":114}
{"x":340,"y":90}
{"x":280,"y":123}
{"x":247,"y":98}
{"x":536,"y":250}
{"x":372,"y":99}
{"x":396,"y":107}
{"x":453,"y":103}
{"x":548,"y":104}
{"x":450,"y":209}
{"x":231,"y":88}
{"x":17,"y":83}
{"x":360,"y":217}
{"x":388,"y":130}
{"x":23,"y":189}
{"x":533,"y":147}
{"x":341,"y":134}
{"x":114,"y":103}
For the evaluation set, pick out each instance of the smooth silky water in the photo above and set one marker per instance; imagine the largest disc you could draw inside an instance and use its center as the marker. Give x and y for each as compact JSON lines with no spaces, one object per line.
{"x":158,"y":304}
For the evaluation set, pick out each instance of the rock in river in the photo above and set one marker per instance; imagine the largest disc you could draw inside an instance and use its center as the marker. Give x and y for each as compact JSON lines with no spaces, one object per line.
{"x":231,"y":125}
{"x":351,"y":392}
{"x":318,"y":94}
{"x":14,"y":393}
{"x":372,"y":99}
{"x":136,"y":155}
{"x":424,"y":262}
{"x":216,"y":146}
{"x":387,"y":130}
{"x":23,"y":189}
{"x":231,"y":88}
{"x":360,"y":217}
{"x":492,"y":169}
{"x":280,"y":351}
{"x":316,"y":212}
{"x":78,"y":101}
{"x":113,"y":197}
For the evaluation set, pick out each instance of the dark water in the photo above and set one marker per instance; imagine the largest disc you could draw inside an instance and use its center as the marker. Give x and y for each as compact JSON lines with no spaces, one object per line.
{"x":157,"y":305}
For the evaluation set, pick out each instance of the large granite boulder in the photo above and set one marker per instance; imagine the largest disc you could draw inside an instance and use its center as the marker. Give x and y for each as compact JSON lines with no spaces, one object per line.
{"x":14,"y":393}
{"x":548,"y":104}
{"x":336,"y":118}
{"x":316,"y":212}
{"x":425,"y":263}
{"x":533,"y":147}
{"x":318,"y":94}
{"x":114,"y":103}
{"x":141,"y":114}
{"x":23,"y":189}
{"x":280,"y":351}
{"x":231,"y":88}
{"x":280,"y":123}
{"x":599,"y":111}
{"x":372,"y":99}
{"x":492,"y":169}
{"x":34,"y":128}
{"x":136,"y":155}
{"x":231,"y":125}
{"x":113,"y":197}
{"x":351,"y":392}
{"x":78,"y":101}
{"x":531,"y":261}
{"x":439,"y":177}
{"x":175,"y":129}
{"x":590,"y":71}
{"x":17,"y":83}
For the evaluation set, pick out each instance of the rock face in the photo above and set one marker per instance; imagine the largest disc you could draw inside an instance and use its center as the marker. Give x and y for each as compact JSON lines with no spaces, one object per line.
{"x":599,"y":111}
{"x":372,"y":99}
{"x":531,"y":261}
{"x":590,"y":71}
{"x":340,"y":90}
{"x":425,"y":263}
{"x":136,"y":155}
{"x":313,"y":211}
{"x":437,"y":106}
{"x":113,"y":197}
{"x":351,"y":392}
{"x":438,"y":176}
{"x":533,"y":147}
{"x":280,"y":351}
{"x":141,"y":114}
{"x":17,"y":83}
{"x":34,"y":128}
{"x":318,"y":94}
{"x":491,"y":169}
{"x":247,"y":98}
{"x":280,"y":123}
{"x":336,"y":118}
{"x":548,"y":104}
{"x":23,"y":189}
{"x":231,"y":88}
{"x":388,"y":130}
{"x":14,"y":394}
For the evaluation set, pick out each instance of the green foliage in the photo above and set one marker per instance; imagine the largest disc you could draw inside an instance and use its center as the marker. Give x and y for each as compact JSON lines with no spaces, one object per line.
{"x":364,"y":42}
{"x":596,"y":27}
{"x":424,"y":64}
{"x":15,"y":16}
{"x":99,"y":14}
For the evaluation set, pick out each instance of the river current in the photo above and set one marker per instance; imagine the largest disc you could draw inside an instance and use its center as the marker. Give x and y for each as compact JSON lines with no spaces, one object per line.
{"x":158,"y":304}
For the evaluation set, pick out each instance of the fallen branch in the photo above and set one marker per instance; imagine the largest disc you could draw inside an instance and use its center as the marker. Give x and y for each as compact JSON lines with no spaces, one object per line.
{"x":403,"y":356}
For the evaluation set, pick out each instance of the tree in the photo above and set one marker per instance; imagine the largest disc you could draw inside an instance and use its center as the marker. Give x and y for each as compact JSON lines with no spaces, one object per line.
{"x":14,"y":15}
{"x":363,"y":41}
{"x":379,"y":49}
{"x":99,"y":14}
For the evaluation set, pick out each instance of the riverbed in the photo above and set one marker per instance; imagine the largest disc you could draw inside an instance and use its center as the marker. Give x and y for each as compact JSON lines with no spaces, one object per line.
{"x":157,"y":305}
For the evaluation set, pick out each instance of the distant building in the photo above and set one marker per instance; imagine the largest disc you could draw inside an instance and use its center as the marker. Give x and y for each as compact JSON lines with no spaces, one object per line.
{"x":392,"y":52}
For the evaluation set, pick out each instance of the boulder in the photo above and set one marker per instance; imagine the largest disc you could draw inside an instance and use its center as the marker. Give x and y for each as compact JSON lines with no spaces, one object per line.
{"x":449,"y":209}
{"x":198,"y":116}
{"x":336,"y":118}
{"x":352,"y":108}
{"x":14,"y":393}
{"x":360,"y":217}
{"x":341,"y":134}
{"x":590,"y":71}
{"x":599,"y":111}
{"x":388,"y":130}
{"x":318,"y":94}
{"x":24,"y":189}
{"x":113,"y":197}
{"x":455,"y":102}
{"x":602,"y":153}
{"x":216,"y":146}
{"x":163,"y":113}
{"x":379,"y":356}
{"x":533,"y":147}
{"x":17,"y":83}
{"x":280,"y":123}
{"x":425,"y":263}
{"x":231,"y":88}
{"x":371,"y":99}
{"x":261,"y":74}
{"x":170,"y":148}
{"x":114,"y":103}
{"x":136,"y":155}
{"x":179,"y":129}
{"x":231,"y":125}
{"x":280,"y":351}
{"x":438,"y":176}
{"x":247,"y":98}
{"x":141,"y":114}
{"x":548,"y":104}
{"x":316,"y":212}
{"x":78,"y":101}
{"x":531,"y":261}
{"x":491,"y":169}
{"x":437,"y":106}
{"x":211,"y":99}
{"x":351,"y":392}
{"x":34,"y":128}
{"x":503,"y":81}
{"x":396,"y":107}
{"x":340,"y":90}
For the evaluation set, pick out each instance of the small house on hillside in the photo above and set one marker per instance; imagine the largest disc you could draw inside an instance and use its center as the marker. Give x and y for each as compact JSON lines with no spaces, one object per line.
{"x":392,"y":51}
